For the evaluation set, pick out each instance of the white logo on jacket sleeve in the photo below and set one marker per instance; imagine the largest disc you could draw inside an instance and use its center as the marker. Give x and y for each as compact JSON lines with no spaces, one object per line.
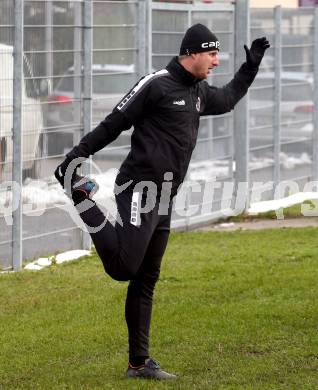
{"x":127,"y":98}
{"x":179,"y":102}
{"x":140,"y":86}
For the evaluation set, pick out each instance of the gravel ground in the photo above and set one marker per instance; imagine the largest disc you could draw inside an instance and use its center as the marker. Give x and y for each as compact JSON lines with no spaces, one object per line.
{"x":257,"y":224}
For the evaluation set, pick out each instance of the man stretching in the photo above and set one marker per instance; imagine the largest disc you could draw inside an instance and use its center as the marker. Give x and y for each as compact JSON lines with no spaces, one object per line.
{"x":164,"y":108}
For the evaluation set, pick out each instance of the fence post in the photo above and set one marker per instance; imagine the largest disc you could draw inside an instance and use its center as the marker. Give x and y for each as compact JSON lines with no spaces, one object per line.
{"x":17,"y":136}
{"x":141,"y":38}
{"x":78,"y":69}
{"x":49,"y":44}
{"x":149,"y":35}
{"x":87,"y":92}
{"x":315,"y":98}
{"x":241,"y":115}
{"x":48,"y":63}
{"x":277,"y":93}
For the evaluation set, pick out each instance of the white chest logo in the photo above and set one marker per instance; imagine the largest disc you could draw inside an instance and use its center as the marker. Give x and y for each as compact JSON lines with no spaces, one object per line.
{"x":198,"y":104}
{"x":179,"y":102}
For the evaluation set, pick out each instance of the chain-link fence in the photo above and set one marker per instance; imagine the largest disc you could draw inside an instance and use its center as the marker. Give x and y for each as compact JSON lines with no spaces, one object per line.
{"x":79,"y":57}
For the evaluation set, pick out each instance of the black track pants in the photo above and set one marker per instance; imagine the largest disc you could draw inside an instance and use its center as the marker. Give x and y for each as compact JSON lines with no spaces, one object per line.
{"x":132,"y":252}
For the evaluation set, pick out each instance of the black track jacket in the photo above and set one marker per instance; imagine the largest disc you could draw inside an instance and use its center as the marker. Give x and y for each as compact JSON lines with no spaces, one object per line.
{"x":164,"y":107}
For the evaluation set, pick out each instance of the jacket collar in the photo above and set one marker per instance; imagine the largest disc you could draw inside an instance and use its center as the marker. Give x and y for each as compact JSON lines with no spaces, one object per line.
{"x":180,"y":73}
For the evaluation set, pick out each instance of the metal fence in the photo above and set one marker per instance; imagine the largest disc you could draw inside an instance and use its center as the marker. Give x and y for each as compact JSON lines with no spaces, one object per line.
{"x":282,"y":128}
{"x":65,"y":64}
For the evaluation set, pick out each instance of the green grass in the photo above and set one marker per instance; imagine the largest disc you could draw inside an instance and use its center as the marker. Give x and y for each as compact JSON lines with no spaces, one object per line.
{"x":232,"y":310}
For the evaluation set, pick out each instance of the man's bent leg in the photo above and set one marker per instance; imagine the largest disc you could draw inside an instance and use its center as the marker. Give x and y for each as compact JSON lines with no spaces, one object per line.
{"x":121,"y":247}
{"x":102,"y":232}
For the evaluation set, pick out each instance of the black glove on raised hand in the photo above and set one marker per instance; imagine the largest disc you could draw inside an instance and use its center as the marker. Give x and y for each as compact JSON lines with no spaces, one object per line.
{"x":255,"y":54}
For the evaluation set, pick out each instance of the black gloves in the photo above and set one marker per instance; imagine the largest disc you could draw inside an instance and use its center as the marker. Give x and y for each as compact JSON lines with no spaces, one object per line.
{"x":255,"y":54}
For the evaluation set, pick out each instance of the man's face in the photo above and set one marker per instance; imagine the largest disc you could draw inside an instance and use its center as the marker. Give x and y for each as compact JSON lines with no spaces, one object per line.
{"x":204,"y":63}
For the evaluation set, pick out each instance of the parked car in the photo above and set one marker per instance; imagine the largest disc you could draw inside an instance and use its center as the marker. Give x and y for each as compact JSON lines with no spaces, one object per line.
{"x":32,"y":118}
{"x":64,"y":110}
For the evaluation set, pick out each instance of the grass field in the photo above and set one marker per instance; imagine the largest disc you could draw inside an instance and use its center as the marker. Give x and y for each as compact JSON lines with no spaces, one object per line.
{"x":233,"y":310}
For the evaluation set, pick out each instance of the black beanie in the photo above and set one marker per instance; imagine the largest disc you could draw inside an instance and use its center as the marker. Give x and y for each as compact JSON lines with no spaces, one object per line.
{"x":197,"y":39}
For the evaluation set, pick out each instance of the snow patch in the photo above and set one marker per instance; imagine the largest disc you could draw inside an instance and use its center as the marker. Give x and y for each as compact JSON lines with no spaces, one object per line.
{"x":224,"y":225}
{"x":71,"y":255}
{"x":44,"y":262}
{"x":207,"y":170}
{"x":273,"y":205}
{"x":33,"y":267}
{"x":39,"y":194}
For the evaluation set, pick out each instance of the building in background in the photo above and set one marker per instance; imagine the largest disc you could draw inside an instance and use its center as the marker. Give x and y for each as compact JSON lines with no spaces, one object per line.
{"x":307,"y":3}
{"x":254,"y":3}
{"x":283,"y":3}
{"x":274,"y":3}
